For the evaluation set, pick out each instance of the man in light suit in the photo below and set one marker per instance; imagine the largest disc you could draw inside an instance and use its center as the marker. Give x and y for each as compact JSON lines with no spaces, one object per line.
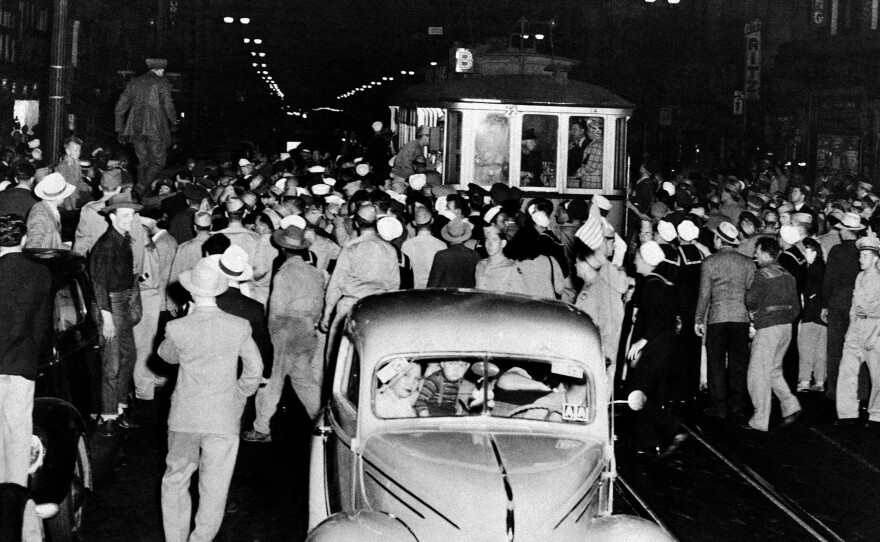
{"x":207,"y":404}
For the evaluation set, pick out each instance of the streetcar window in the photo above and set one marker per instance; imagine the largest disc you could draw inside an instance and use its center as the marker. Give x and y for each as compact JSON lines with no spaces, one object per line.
{"x":492,"y":148}
{"x":453,"y":147}
{"x":586,"y":144}
{"x":538,"y":146}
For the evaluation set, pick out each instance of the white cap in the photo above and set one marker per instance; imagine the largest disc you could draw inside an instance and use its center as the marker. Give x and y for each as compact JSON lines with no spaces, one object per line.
{"x":688,"y":231}
{"x":540,"y":218}
{"x":669,"y":188}
{"x":591,"y":233}
{"x":293,"y":220}
{"x":330,"y":181}
{"x":321,"y":189}
{"x":34,"y":143}
{"x":377,"y":126}
{"x":417,"y":181}
{"x":362,"y":169}
{"x":790,"y":234}
{"x":491,"y":214}
{"x":652,"y":253}
{"x":242,"y":162}
{"x":334,"y":199}
{"x":389,"y":228}
{"x":601,"y":202}
{"x":667,"y":231}
{"x":316,"y":169}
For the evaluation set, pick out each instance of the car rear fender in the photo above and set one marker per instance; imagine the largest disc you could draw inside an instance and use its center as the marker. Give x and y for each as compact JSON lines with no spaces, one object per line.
{"x":58,"y":425}
{"x":624,"y":527}
{"x":363,"y":526}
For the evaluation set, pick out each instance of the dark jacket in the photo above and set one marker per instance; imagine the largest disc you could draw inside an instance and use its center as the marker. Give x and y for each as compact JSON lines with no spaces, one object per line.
{"x":147,"y":101}
{"x":794,"y":261}
{"x":26,"y":313}
{"x":813,"y":293}
{"x":841,"y":271}
{"x":655,"y":322}
{"x":233,"y":302}
{"x":773,"y":297}
{"x":454,"y":267}
{"x":17,"y":201}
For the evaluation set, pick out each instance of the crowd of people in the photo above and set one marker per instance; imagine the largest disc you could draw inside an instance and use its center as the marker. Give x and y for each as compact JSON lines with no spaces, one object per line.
{"x":261,"y":259}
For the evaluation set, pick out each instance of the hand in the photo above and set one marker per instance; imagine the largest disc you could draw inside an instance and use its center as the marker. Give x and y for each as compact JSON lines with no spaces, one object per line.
{"x":635,"y":351}
{"x":824,"y":315}
{"x":109,"y":330}
{"x":324,"y":325}
{"x":122,"y":139}
{"x":699,"y":329}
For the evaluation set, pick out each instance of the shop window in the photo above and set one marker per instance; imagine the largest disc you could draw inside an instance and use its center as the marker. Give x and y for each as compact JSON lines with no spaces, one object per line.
{"x":538,"y":147}
{"x":491,"y":149}
{"x":586,"y":143}
{"x":453,"y":147}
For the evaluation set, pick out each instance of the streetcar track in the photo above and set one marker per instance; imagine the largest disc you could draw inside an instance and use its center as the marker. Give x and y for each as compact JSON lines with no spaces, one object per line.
{"x":807,"y":521}
{"x":644,"y":505}
{"x":861,"y":460}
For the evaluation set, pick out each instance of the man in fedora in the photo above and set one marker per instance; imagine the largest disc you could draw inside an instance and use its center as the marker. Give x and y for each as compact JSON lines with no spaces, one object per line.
{"x":531,"y":163}
{"x":404,"y":161}
{"x":93,"y":224}
{"x":862,"y":339}
{"x":44,"y":219}
{"x":150,"y":119}
{"x":207,"y":404}
{"x":456,"y":266}
{"x":367,"y":265}
{"x":294,"y":310}
{"x":187,"y":256}
{"x":841,"y":270}
{"x":111,"y":267}
{"x":722,"y":317}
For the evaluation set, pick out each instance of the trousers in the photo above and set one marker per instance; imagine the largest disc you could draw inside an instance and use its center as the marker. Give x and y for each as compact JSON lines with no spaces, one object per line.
{"x":854,"y":354}
{"x":653,"y":426}
{"x":813,"y":351}
{"x":16,"y":406}
{"x":118,"y":357}
{"x":727,"y":358}
{"x":838,"y":322}
{"x":145,"y":344}
{"x":765,"y":375}
{"x":151,"y":155}
{"x":297,"y":360}
{"x":214,"y":457}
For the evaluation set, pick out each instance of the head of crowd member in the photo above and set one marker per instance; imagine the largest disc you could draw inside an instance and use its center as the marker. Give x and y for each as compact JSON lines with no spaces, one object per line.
{"x":202,"y":222}
{"x":53,"y":189}
{"x":850,"y":226}
{"x":422,"y":218}
{"x":24,"y":174}
{"x":420,"y":163}
{"x":646,"y":231}
{"x":205,"y":281}
{"x":648,"y":257}
{"x":121,"y":209}
{"x":157,"y":65}
{"x":365,"y":218}
{"x":748,"y":223}
{"x":813,"y":251}
{"x":666,"y":232}
{"x":869,"y":252}
{"x":235,"y":209}
{"x":457,"y":231}
{"x":789,"y":235}
{"x":798,"y":195}
{"x":245,"y":167}
{"x":561,"y":214}
{"x":863,"y":189}
{"x":785,"y":211}
{"x":73,"y":148}
{"x":726,"y":235}
{"x":540,"y":211}
{"x":182,"y":178}
{"x":687,"y":230}
{"x":587,"y":265}
{"x":216,"y":244}
{"x":578,"y":211}
{"x":13,"y":234}
{"x":767,"y":250}
{"x":294,"y":241}
{"x":577,"y":131}
{"x":494,"y":242}
{"x":771,"y":222}
{"x":458,"y":206}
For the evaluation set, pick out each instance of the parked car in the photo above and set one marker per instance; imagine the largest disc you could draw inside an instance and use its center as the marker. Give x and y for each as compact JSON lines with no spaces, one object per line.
{"x":67,"y":390}
{"x":518,"y":448}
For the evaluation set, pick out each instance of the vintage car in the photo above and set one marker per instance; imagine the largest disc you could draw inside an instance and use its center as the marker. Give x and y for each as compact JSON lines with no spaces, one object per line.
{"x":465,"y":415}
{"x":66,"y":392}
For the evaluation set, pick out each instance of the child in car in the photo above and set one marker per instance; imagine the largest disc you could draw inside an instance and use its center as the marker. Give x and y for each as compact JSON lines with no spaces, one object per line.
{"x":395,"y":397}
{"x":441,"y":390}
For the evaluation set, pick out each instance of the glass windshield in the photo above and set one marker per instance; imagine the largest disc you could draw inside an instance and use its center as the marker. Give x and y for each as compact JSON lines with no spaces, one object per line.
{"x":553,"y":391}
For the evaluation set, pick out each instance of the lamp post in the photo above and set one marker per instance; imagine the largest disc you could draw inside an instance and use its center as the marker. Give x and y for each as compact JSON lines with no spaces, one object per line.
{"x":58,"y":47}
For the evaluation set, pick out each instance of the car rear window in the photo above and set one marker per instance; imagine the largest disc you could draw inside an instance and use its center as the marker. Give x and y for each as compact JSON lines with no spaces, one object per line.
{"x":557,"y":391}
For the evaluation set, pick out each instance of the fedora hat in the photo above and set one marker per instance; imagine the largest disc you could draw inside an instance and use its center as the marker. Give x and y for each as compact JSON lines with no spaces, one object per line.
{"x":850,"y":221}
{"x":726,"y":232}
{"x":156,"y":63}
{"x":234,"y":264}
{"x":457,"y":231}
{"x":53,"y":187}
{"x":120,"y":201}
{"x":195,"y":192}
{"x":205,"y":279}
{"x":291,"y":237}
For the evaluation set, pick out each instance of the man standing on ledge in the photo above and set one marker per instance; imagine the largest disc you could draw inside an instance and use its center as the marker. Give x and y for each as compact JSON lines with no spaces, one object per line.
{"x":151,"y":118}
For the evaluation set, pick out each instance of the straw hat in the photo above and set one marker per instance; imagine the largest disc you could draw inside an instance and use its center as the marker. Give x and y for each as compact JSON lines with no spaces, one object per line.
{"x":53,"y":187}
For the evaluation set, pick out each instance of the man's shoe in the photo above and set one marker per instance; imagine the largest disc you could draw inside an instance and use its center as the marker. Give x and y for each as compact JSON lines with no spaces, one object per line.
{"x":748,"y":427}
{"x":818,"y":386}
{"x":846,"y":422}
{"x":256,"y":436}
{"x":126,"y":422}
{"x":107,"y":428}
{"x":791,"y":418}
{"x":803,"y":386}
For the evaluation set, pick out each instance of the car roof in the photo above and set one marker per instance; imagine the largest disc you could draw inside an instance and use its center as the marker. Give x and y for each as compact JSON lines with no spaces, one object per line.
{"x":459,"y":320}
{"x":62,"y":264}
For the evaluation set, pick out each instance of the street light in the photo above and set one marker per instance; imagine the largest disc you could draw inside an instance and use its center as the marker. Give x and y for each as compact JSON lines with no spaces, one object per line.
{"x":258,"y":41}
{"x":244,"y":20}
{"x":247,"y":40}
{"x":262,"y":54}
{"x":412,"y":73}
{"x":228,"y":20}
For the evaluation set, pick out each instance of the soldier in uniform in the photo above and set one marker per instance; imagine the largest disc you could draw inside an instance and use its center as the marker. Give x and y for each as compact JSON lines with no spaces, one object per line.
{"x":860,"y":345}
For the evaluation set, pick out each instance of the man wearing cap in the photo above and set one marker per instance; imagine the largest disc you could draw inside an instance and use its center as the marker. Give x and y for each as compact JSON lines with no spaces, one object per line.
{"x":44,"y":219}
{"x":792,"y":257}
{"x":206,"y":408}
{"x":841,"y":270}
{"x":722,"y":317}
{"x":422,"y":247}
{"x":773,"y":300}
{"x":159,"y":249}
{"x":19,"y":199}
{"x":150,"y":119}
{"x":404,"y":161}
{"x":685,"y":380}
{"x":862,"y":343}
{"x":92,"y":223}
{"x":367,"y":265}
{"x":243,"y":237}
{"x":454,"y":267}
{"x":110,"y":266}
{"x":294,"y":310}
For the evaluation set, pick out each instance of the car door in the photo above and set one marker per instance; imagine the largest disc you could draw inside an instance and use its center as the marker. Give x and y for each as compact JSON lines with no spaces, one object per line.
{"x":339,"y":456}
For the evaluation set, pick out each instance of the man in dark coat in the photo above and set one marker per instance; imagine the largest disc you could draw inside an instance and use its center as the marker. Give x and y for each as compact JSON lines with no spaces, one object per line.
{"x":456,"y":266}
{"x":19,"y":199}
{"x":151,"y":117}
